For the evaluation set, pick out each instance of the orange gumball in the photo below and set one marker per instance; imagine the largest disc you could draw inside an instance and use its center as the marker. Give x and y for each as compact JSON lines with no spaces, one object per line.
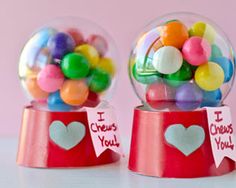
{"x":74,"y":92}
{"x":35,"y":91}
{"x":174,"y":34}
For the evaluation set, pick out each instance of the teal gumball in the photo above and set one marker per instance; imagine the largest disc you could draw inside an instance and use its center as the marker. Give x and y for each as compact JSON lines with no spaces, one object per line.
{"x":99,"y":80}
{"x":215,"y":51}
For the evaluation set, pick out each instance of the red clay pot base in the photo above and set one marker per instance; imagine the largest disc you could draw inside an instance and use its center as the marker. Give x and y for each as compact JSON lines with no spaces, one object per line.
{"x":37,"y":149}
{"x":152,"y":155}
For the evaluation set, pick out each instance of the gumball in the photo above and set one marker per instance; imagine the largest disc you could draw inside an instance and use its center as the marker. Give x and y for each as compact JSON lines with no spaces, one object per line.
{"x":61,"y":44}
{"x":188,"y":97}
{"x":194,"y":68}
{"x":50,"y":78}
{"x":215,"y":51}
{"x":204,"y":30}
{"x":93,"y":100}
{"x":167,"y":60}
{"x":106,"y":64}
{"x":37,"y":42}
{"x":146,"y":66}
{"x":32,"y":73}
{"x":211,"y":98}
{"x":43,"y":57}
{"x":55,"y":103}
{"x":99,"y":80}
{"x":145,"y":78}
{"x":75,"y":66}
{"x":89,"y":52}
{"x":99,"y":43}
{"x":74,"y":92}
{"x":181,"y":76}
{"x":29,"y":55}
{"x":159,"y":95}
{"x":226,"y":65}
{"x":174,"y":33}
{"x":77,"y":35}
{"x":196,"y":51}
{"x":42,"y":37}
{"x":209,"y":76}
{"x":34,"y":90}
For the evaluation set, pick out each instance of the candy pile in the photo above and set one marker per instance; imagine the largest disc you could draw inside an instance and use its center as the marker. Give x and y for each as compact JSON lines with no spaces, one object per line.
{"x":65,"y":70}
{"x":180,"y":65}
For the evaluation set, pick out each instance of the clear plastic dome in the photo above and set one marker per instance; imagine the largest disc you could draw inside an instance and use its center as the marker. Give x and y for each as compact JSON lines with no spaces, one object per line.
{"x":68,"y":64}
{"x":182,"y":61}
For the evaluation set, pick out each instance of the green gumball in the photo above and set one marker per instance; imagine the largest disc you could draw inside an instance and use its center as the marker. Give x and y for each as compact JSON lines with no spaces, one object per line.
{"x":75,"y":66}
{"x":180,"y":77}
{"x":145,"y":78}
{"x":99,"y":80}
{"x":194,"y":68}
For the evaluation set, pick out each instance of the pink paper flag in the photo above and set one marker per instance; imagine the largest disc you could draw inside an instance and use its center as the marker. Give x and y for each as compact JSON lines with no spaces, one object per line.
{"x":222,"y":133}
{"x":104,"y":130}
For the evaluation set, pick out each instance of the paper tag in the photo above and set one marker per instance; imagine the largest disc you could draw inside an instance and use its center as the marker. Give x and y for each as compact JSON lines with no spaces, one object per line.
{"x":104,"y":130}
{"x":222,"y":133}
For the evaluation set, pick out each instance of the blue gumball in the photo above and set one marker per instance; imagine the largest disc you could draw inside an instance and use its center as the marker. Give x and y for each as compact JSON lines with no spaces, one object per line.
{"x":226,"y":65}
{"x":42,"y":37}
{"x":211,"y":98}
{"x":61,"y":44}
{"x":38,"y":41}
{"x":55,"y":103}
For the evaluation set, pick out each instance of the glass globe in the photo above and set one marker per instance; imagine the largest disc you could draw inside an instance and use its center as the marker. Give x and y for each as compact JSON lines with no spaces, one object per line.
{"x":182,"y":61}
{"x":68,"y":64}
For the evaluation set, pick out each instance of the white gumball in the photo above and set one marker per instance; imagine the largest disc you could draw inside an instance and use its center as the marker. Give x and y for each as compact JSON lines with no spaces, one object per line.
{"x":167,"y":60}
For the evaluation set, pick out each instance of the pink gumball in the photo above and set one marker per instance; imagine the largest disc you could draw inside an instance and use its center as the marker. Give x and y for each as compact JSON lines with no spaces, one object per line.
{"x":50,"y":78}
{"x":99,"y":43}
{"x":196,"y":51}
{"x":76,"y":35}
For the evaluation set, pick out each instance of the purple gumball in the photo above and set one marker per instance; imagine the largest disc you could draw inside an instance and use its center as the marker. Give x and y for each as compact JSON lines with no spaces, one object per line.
{"x":188,"y":97}
{"x":61,"y":44}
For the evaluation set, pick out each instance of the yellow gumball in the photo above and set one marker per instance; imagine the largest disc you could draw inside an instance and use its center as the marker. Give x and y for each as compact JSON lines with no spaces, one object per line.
{"x":209,"y":76}
{"x":107,"y":65}
{"x":204,"y":30}
{"x":89,"y":52}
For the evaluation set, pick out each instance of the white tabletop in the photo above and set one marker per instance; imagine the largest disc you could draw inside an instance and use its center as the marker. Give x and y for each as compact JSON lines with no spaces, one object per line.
{"x":107,"y":176}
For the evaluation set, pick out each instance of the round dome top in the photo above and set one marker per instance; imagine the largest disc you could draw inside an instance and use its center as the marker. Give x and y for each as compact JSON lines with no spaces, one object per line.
{"x":182,"y":61}
{"x":68,"y":64}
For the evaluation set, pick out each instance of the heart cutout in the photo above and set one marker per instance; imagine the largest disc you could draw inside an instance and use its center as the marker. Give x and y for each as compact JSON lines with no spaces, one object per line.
{"x":186,"y":140}
{"x":68,"y":136}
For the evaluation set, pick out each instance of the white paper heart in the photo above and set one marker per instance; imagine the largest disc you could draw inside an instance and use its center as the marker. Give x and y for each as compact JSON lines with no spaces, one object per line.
{"x":68,"y":136}
{"x":186,"y":140}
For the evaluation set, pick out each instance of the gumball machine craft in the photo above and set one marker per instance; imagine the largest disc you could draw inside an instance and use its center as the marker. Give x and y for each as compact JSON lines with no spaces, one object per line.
{"x":182,"y":68}
{"x":68,"y":69}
